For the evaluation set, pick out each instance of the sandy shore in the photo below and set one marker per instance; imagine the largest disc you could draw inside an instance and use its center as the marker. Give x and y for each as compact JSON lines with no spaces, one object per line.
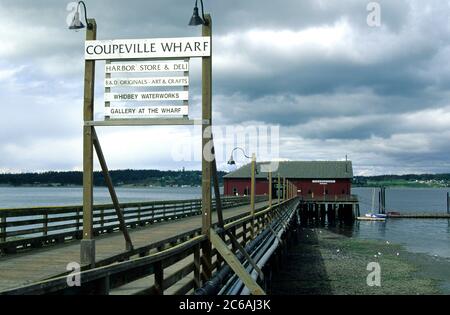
{"x":324,"y":262}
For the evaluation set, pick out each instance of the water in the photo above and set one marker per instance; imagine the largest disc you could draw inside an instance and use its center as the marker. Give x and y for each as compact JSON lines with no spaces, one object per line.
{"x":413,"y":200}
{"x":430,"y":236}
{"x":14,"y":197}
{"x":427,"y":236}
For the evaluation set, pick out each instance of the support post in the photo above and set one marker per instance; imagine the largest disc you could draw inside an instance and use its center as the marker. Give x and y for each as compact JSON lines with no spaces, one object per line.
{"x":206,"y":152}
{"x":197,"y":264}
{"x":448,"y":202}
{"x":159,"y":277}
{"x":252,"y":195}
{"x":270,"y":189}
{"x":3,"y":228}
{"x":278,"y":188}
{"x":284,"y":188}
{"x":112,"y":191}
{"x":87,"y":247}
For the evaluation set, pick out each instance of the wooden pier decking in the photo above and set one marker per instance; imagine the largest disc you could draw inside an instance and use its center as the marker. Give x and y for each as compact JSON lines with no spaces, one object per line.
{"x":38,"y":264}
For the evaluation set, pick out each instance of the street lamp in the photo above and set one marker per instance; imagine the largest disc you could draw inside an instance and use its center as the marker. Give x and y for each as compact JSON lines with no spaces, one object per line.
{"x":76,"y":22}
{"x":231,"y":161}
{"x":252,"y":188}
{"x":196,"y":19}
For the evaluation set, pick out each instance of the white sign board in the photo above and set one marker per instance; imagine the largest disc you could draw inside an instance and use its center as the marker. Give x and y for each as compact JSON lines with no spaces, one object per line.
{"x":148,"y":48}
{"x":146,"y":67}
{"x":147,"y":111}
{"x":324,"y":181}
{"x":147,"y":81}
{"x":147,"y":96}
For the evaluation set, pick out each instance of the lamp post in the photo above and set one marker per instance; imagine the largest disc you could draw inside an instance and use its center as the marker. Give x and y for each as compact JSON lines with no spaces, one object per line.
{"x":76,"y":22}
{"x":278,"y":188}
{"x":252,"y":185}
{"x":270,"y":188}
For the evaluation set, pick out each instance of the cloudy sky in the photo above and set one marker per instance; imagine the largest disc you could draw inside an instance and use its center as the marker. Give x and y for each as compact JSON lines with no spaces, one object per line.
{"x":312,"y":70}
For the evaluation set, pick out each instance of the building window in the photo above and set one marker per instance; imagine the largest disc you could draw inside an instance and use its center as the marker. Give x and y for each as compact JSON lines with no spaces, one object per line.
{"x":343,"y":191}
{"x":309,"y":192}
{"x":326,"y":191}
{"x":235,"y":191}
{"x":246,"y":191}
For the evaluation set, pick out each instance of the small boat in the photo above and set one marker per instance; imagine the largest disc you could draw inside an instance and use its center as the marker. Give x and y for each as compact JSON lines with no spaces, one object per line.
{"x":373,"y":216}
{"x":376,"y":215}
{"x":365,"y":218}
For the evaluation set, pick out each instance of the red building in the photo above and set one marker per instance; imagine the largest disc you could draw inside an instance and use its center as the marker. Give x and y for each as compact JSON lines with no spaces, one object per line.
{"x":312,"y":178}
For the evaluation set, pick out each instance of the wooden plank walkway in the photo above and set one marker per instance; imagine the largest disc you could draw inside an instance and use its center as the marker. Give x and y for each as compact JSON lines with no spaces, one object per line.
{"x":27,"y":267}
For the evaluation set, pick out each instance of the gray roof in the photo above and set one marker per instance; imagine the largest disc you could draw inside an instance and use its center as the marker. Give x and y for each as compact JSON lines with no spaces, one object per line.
{"x":300,"y":169}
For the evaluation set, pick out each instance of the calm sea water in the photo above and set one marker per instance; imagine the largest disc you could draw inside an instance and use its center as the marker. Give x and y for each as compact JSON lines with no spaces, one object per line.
{"x":44,"y":196}
{"x":428,"y":236}
{"x":421,"y":236}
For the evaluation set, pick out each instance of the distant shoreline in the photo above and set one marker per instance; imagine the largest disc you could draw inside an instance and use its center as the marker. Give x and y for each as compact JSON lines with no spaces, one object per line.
{"x":102,"y":186}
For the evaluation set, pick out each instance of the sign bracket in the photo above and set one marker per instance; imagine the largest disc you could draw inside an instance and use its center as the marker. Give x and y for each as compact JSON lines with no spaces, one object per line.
{"x":112,"y":191}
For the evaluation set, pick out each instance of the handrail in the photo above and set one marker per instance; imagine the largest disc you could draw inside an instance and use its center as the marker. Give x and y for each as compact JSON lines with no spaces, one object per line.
{"x":22,"y":228}
{"x":102,"y":280}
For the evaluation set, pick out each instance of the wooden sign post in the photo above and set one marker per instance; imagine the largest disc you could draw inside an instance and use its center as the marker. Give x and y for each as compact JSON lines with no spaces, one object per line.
{"x":206,"y":151}
{"x":87,"y":243}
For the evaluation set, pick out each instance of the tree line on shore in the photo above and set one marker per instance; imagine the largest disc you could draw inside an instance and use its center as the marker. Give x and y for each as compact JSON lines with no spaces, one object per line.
{"x":176,"y":178}
{"x":119,"y":177}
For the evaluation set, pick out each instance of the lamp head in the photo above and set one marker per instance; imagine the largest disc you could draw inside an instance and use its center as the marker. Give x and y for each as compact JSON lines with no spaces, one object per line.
{"x":76,"y":22}
{"x":231,"y":160}
{"x":196,"y":19}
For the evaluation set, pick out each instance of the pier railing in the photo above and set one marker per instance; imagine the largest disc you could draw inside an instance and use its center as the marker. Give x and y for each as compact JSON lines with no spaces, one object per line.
{"x":176,"y":269}
{"x":22,"y":228}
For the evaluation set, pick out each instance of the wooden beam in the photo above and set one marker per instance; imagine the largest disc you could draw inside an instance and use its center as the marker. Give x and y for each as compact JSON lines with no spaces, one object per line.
{"x":87,"y":251}
{"x":236,"y":244}
{"x":112,"y":191}
{"x":235,"y":264}
{"x":206,"y":163}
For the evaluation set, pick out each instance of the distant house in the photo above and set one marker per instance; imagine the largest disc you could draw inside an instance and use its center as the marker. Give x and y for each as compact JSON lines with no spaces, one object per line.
{"x":312,"y":178}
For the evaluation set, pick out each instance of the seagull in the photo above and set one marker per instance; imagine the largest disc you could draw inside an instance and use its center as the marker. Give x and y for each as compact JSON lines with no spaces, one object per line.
{"x":379,"y":254}
{"x":398,"y":254}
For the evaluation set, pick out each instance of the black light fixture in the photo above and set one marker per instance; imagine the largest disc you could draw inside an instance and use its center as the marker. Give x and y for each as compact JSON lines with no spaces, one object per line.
{"x":196,"y":19}
{"x":76,"y":22}
{"x":231,"y":161}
